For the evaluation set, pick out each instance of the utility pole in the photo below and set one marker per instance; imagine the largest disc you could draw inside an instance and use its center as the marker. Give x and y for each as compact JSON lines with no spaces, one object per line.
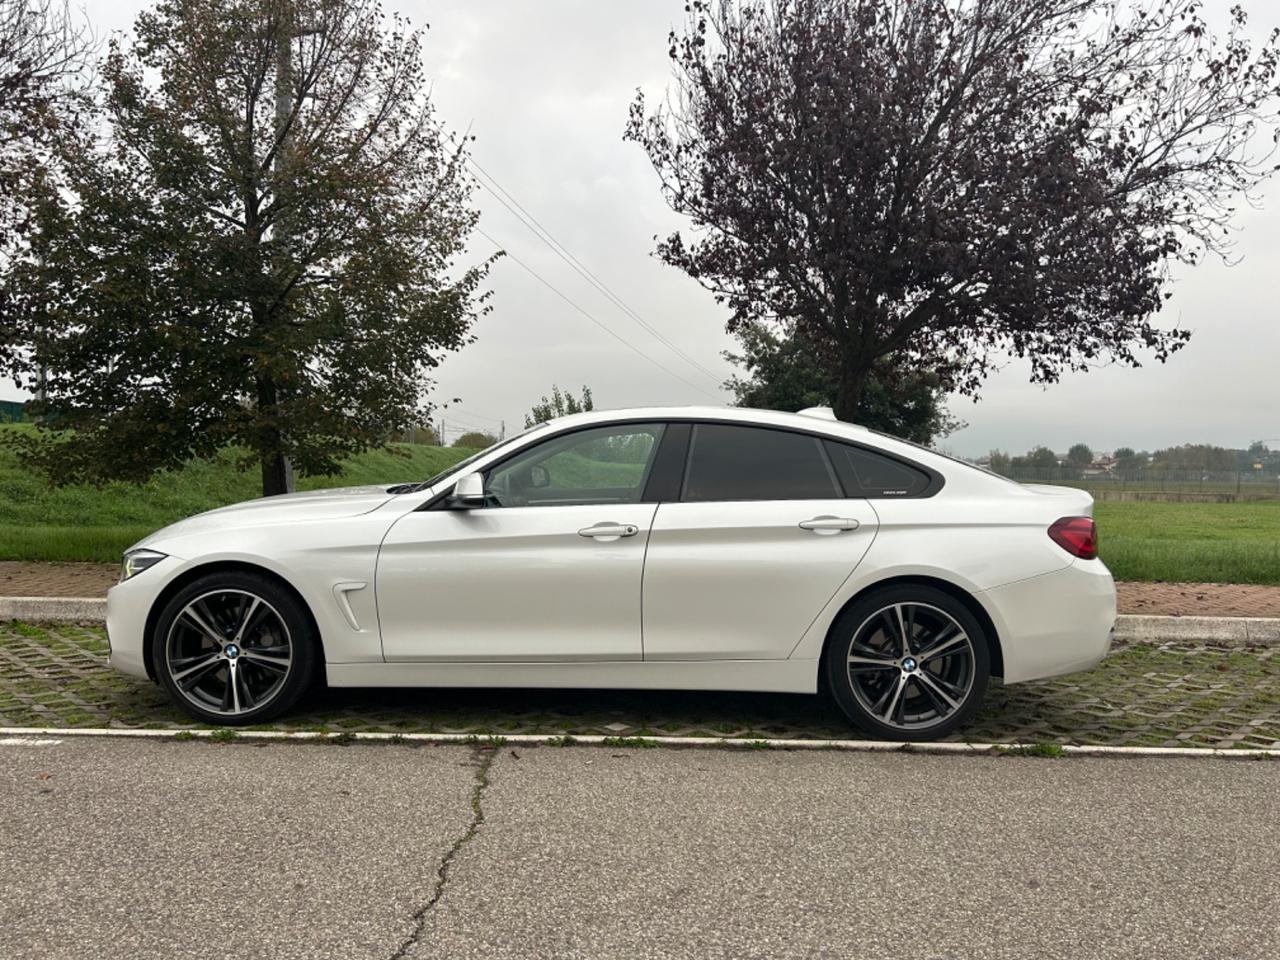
{"x":284,"y":112}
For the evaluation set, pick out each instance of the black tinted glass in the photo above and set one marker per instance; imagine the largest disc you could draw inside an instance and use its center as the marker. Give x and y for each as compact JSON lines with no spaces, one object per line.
{"x":749,"y":463}
{"x":864,"y":473}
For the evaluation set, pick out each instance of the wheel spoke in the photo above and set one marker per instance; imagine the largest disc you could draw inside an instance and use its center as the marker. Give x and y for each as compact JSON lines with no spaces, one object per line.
{"x":278,"y":664}
{"x":931,"y":683}
{"x":201,"y":624}
{"x":894,"y":696}
{"x":233,"y":681}
{"x":902,"y":630}
{"x":943,"y":645}
{"x":181,"y":669}
{"x":246,"y":696}
{"x":246,"y":619}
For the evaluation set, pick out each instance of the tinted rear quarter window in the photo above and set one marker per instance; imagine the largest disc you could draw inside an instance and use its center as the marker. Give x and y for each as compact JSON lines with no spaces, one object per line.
{"x":731,"y":462}
{"x":865,"y":473}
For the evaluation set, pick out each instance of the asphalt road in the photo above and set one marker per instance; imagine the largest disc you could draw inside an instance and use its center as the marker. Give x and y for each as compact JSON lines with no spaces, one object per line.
{"x":139,"y":849}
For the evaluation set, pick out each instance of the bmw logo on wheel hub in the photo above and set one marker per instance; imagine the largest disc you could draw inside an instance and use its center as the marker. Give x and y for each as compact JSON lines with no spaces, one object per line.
{"x":231,"y":650}
{"x":909,"y":664}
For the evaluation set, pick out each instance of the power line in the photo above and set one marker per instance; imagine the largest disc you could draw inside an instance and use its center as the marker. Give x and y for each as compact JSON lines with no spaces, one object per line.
{"x":468,"y":412}
{"x":565,"y":254}
{"x":607,"y":329}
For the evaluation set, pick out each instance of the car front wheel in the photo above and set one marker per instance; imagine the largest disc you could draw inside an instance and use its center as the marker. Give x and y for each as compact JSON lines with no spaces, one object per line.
{"x":234,"y":648}
{"x":908,"y":663}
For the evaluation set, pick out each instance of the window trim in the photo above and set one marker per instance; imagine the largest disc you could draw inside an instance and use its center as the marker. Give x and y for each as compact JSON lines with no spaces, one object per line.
{"x":657,"y":486}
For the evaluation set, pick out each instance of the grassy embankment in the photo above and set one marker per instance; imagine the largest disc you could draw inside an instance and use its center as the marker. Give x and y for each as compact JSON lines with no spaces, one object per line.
{"x":87,"y":523}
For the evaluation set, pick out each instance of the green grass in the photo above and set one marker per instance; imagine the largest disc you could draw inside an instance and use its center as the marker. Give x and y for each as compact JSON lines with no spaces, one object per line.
{"x":80,"y":522}
{"x":1191,"y":542}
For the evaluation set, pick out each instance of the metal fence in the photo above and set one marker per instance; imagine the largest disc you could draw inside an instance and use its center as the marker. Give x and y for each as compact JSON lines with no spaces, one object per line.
{"x":1257,"y":483}
{"x":13,"y":411}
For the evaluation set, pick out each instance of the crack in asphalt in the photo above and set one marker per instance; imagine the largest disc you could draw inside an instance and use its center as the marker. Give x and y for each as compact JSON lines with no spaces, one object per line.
{"x":483,"y":757}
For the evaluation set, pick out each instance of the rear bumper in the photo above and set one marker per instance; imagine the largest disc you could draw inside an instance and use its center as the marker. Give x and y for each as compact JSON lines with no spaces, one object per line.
{"x":1054,"y":624}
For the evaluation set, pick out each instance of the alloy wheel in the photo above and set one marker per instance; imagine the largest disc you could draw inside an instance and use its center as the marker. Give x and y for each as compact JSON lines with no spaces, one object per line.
{"x":229,"y":652}
{"x":911,"y":666}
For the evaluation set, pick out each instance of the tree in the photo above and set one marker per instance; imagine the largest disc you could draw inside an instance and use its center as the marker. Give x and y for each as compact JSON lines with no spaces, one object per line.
{"x":42,"y":53}
{"x":1037,"y":458}
{"x":785,"y":372}
{"x":263,"y":255}
{"x":476,"y":440}
{"x":945,"y":182}
{"x":558,"y":405}
{"x":1080,"y":455}
{"x":1000,"y":462}
{"x":1127,"y":460}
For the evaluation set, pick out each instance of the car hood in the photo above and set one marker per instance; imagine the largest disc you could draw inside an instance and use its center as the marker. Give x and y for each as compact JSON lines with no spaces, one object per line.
{"x":285,"y":508}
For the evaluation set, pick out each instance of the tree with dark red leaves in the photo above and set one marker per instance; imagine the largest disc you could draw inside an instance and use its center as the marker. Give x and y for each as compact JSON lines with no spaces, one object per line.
{"x":938,"y":184}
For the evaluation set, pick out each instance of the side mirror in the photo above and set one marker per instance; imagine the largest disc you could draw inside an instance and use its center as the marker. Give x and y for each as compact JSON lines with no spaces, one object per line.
{"x":468,"y":492}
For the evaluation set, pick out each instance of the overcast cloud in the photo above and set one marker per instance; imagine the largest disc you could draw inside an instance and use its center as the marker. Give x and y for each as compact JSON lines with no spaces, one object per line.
{"x":545,"y":87}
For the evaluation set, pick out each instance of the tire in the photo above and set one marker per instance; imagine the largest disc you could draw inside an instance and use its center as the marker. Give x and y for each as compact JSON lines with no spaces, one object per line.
{"x":234,"y":626}
{"x":938,"y":684}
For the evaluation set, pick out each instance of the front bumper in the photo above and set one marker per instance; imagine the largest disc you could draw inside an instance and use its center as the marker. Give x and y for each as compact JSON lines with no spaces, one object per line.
{"x":1054,"y":624}
{"x":128,"y":605}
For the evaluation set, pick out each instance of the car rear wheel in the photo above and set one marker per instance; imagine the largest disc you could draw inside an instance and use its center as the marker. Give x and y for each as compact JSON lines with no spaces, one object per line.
{"x":908,"y":663}
{"x":234,"y":648}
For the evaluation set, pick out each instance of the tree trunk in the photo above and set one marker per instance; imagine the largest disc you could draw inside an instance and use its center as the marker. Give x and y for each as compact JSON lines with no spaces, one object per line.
{"x":853,"y":379}
{"x":277,"y":476}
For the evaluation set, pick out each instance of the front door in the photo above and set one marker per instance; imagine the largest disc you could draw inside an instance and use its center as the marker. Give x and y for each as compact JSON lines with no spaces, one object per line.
{"x":548,"y":570}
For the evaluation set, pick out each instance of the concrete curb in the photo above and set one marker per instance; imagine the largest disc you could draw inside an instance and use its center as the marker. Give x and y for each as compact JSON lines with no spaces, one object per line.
{"x":54,"y":609}
{"x":1233,"y":631}
{"x":1133,"y":629}
{"x":51,"y":736}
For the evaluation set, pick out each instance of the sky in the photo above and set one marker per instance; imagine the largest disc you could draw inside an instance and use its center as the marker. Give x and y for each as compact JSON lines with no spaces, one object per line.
{"x":544,"y":87}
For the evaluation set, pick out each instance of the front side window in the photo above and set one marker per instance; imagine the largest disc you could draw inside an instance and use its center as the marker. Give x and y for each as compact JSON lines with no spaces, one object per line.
{"x":601,"y":465}
{"x":732,"y":462}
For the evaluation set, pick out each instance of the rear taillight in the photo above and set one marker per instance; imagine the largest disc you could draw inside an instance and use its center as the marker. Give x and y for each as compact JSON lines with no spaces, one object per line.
{"x":1076,"y":535}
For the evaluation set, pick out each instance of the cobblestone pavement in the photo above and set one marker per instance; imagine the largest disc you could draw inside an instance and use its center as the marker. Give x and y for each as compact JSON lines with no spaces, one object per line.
{"x":1141,"y":695}
{"x":23,"y":579}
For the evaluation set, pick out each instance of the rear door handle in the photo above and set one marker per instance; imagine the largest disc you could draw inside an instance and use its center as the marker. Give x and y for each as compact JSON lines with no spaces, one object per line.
{"x":609,"y":531}
{"x":829,"y":525}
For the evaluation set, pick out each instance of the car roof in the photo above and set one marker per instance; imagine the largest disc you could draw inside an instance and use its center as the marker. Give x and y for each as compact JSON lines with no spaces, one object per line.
{"x":813,"y":420}
{"x":816,"y":418}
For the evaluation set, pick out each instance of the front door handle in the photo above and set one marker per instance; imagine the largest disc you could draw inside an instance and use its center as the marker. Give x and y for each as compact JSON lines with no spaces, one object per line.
{"x":829,"y":525}
{"x":609,"y":531}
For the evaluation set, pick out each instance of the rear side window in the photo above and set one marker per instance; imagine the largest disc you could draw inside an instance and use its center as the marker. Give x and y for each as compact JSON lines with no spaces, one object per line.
{"x":730,"y":462}
{"x":864,"y":473}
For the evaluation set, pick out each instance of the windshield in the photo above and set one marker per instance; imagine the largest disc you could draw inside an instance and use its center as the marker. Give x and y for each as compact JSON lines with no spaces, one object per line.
{"x":462,"y":464}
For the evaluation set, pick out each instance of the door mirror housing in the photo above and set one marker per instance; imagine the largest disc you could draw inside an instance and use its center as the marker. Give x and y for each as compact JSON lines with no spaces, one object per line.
{"x":468,"y":492}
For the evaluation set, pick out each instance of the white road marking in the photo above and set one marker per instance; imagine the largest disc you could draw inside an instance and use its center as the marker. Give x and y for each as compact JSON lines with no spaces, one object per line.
{"x":28,"y":742}
{"x":869,"y":746}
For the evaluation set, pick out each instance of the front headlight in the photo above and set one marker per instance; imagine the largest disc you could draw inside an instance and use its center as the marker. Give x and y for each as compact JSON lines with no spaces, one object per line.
{"x":135,"y":561}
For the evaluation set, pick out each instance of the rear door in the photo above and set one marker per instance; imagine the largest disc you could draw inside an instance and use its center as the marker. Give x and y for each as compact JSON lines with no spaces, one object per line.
{"x":758,"y":541}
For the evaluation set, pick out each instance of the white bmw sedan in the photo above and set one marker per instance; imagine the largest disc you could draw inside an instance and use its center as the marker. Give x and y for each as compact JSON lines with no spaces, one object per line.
{"x":701,"y":549}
